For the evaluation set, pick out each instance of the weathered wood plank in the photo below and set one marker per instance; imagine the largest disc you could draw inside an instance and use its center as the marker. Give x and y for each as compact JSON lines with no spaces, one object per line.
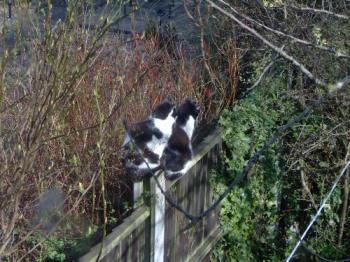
{"x":212,"y":219}
{"x":131,"y":245}
{"x":206,"y":227}
{"x":124,"y":248}
{"x":138,"y":189}
{"x":190,"y":198}
{"x":195,"y":202}
{"x":134,"y":249}
{"x":170,"y":224}
{"x":180,"y":189}
{"x":142,"y":252}
{"x":204,"y":248}
{"x":200,"y":186}
{"x":112,"y":256}
{"x":118,"y":234}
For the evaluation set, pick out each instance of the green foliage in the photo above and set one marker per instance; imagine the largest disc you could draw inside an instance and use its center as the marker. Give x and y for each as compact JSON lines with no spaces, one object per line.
{"x":62,"y":247}
{"x":258,"y":227}
{"x":249,"y":214}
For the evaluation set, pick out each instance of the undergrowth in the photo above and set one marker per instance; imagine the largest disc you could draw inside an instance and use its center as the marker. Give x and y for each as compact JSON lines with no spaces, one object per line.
{"x":249,"y":215}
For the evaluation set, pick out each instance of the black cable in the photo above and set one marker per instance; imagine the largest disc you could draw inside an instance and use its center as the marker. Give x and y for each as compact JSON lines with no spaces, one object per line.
{"x":308,"y":250}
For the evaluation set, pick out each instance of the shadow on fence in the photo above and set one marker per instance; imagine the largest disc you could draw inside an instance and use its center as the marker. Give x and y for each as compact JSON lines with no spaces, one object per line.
{"x":157,"y":232}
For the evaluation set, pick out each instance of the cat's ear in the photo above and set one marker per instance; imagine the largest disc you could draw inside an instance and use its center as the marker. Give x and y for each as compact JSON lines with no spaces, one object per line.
{"x":196,"y":110}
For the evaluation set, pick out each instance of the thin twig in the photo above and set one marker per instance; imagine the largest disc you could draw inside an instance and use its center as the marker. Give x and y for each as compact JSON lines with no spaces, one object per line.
{"x":341,"y":16}
{"x":257,"y":82}
{"x":307,"y":189}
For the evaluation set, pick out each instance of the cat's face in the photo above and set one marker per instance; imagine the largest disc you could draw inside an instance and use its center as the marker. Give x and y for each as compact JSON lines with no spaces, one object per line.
{"x":163,"y":110}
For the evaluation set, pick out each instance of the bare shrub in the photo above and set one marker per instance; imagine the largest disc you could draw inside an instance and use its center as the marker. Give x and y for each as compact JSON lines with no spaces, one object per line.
{"x":63,"y":95}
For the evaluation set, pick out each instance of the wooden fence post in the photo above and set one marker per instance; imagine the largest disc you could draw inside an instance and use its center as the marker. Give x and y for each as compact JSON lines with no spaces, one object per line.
{"x":156,"y":223}
{"x":154,"y":237}
{"x":157,"y":219}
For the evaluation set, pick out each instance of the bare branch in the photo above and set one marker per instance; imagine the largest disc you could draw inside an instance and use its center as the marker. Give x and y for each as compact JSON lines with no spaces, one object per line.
{"x":257,"y":82}
{"x":307,"y":189}
{"x":280,"y":51}
{"x":10,"y":227}
{"x":322,"y":11}
{"x":293,"y":38}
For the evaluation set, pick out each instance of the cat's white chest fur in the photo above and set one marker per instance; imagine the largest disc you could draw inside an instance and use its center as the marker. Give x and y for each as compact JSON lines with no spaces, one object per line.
{"x":165,"y":125}
{"x":157,"y":145}
{"x":189,"y":127}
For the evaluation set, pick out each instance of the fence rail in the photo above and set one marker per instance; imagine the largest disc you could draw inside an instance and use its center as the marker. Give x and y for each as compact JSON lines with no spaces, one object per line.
{"x":156,"y":231}
{"x":119,"y":234}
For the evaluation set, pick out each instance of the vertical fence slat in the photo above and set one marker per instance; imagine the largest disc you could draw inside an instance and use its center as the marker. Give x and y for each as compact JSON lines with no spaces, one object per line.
{"x":169,"y":234}
{"x":205,"y":198}
{"x":200,"y":200}
{"x":138,"y":189}
{"x":124,"y":249}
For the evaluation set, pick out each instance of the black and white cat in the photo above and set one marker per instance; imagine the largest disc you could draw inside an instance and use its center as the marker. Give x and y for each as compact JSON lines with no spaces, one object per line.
{"x":175,"y":160}
{"x":150,"y":137}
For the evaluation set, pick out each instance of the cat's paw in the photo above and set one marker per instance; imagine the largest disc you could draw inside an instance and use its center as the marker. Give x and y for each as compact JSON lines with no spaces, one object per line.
{"x":172,"y":176}
{"x":137,"y":173}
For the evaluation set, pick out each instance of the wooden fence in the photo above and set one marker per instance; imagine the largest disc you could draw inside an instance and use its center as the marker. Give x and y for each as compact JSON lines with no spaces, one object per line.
{"x":157,"y":232}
